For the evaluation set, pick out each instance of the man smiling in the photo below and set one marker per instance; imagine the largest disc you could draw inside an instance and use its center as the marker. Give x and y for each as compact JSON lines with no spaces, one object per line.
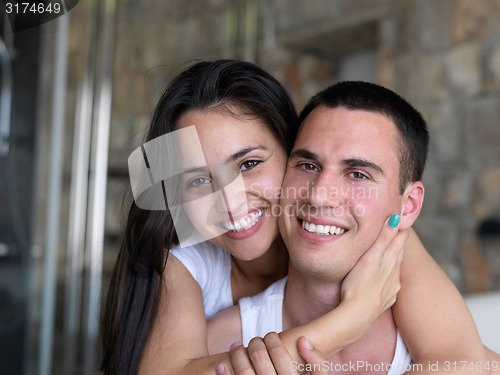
{"x":360,"y":153}
{"x":349,"y":152}
{"x":361,"y":160}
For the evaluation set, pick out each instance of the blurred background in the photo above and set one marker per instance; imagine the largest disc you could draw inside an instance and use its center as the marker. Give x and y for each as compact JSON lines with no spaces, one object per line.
{"x":77,"y":93}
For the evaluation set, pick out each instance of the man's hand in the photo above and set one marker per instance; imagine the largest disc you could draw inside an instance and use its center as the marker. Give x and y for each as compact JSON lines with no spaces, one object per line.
{"x":264,"y":356}
{"x":268,"y":356}
{"x":312,"y":356}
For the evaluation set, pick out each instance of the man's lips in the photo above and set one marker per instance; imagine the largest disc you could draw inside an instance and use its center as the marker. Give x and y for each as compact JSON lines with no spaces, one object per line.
{"x":323,"y":228}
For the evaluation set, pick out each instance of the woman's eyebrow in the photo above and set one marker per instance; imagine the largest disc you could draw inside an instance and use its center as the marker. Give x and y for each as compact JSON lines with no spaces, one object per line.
{"x":243,"y":152}
{"x":229,"y":159}
{"x":195,"y":170}
{"x":303,"y":153}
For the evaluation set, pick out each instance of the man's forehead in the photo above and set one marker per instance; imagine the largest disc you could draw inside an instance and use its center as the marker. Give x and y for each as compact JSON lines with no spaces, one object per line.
{"x":339,"y":134}
{"x":359,"y":123}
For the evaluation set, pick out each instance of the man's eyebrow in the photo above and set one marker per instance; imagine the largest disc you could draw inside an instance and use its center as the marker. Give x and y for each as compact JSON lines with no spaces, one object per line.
{"x":243,"y":152}
{"x":303,"y":153}
{"x":360,"y":163}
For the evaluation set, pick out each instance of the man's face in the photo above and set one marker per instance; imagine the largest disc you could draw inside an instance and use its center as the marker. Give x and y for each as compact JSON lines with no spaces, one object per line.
{"x":341,"y":184}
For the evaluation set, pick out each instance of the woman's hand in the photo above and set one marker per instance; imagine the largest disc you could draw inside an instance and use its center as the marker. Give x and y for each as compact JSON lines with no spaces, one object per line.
{"x":372,"y":285}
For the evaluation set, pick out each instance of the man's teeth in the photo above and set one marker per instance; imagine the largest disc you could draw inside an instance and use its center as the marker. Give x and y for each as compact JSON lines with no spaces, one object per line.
{"x":245,"y":222}
{"x":322,"y":229}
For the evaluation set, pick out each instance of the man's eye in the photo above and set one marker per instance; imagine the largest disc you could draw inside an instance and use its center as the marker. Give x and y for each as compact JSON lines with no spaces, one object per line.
{"x":308,"y":167}
{"x":199,"y":181}
{"x":359,"y":175}
{"x":249,"y":164}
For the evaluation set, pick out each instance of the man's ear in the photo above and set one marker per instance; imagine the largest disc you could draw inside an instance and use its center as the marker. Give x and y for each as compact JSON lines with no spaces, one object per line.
{"x":413,"y":198}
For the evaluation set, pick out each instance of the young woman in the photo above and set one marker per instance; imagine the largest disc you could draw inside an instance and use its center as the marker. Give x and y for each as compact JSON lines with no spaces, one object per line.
{"x":155,"y":319}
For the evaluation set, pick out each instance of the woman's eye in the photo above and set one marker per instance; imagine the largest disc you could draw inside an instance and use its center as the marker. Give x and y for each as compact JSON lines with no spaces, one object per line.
{"x":249,"y":164}
{"x":199,"y":181}
{"x":309,"y":167}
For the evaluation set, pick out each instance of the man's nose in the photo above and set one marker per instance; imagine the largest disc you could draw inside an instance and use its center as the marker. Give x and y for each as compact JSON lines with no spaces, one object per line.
{"x":325,"y":191}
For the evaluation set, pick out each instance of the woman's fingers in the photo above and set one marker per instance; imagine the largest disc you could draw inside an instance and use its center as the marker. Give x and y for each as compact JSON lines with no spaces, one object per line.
{"x":374,"y":280}
{"x":386,"y":237}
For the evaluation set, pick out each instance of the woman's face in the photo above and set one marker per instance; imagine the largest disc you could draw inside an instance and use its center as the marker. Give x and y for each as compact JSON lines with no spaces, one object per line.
{"x":230,"y":191}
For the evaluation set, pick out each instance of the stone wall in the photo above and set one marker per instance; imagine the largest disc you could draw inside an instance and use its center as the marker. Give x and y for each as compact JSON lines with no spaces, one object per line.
{"x":448,"y":49}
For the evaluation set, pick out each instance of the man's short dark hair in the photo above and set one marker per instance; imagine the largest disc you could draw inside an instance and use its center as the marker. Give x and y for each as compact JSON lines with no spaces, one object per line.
{"x":357,"y":95}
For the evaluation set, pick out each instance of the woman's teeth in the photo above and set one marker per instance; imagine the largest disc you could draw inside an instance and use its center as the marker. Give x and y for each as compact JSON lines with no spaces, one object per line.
{"x":322,"y":229}
{"x":245,"y":222}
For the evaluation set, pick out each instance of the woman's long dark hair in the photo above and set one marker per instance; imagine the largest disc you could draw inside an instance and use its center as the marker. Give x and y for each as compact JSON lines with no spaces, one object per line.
{"x":134,"y":291}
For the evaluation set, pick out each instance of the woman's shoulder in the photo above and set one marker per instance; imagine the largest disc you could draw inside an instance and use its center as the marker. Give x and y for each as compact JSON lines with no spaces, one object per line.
{"x":210,"y":266}
{"x":203,"y":259}
{"x":204,"y":250}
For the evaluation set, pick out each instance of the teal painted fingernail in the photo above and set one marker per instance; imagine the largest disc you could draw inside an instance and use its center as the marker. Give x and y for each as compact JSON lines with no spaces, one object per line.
{"x":394,"y":220}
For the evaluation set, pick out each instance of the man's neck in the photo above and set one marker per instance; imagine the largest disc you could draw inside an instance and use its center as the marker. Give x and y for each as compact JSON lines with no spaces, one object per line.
{"x":307,"y":298}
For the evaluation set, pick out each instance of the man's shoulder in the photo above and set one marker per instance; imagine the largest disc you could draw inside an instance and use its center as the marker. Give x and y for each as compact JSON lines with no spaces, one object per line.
{"x":273,"y":293}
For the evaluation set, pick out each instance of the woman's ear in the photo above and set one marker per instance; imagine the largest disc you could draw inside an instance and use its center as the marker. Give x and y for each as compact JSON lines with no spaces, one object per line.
{"x":413,"y":198}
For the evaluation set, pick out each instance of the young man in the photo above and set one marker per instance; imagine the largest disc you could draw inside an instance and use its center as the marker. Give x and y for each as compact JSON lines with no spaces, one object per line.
{"x":358,"y":158}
